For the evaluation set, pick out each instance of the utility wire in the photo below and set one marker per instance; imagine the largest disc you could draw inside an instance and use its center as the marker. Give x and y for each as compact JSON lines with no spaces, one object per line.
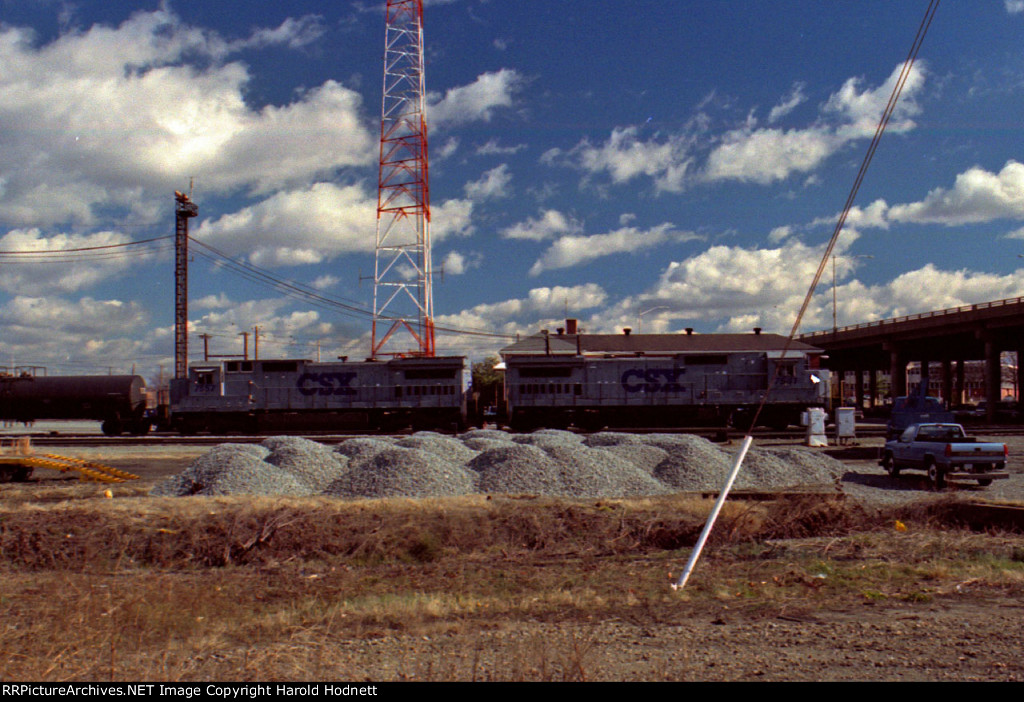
{"x":126,"y":244}
{"x":260,"y":275}
{"x":908,"y":65}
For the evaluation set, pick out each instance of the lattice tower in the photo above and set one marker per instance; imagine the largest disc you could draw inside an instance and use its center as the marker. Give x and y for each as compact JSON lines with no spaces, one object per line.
{"x":402,"y":290}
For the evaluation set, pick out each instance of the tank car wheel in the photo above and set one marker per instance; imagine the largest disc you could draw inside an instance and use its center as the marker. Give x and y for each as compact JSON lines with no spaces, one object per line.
{"x":984,"y":482}
{"x":111,"y":427}
{"x":936,"y":475}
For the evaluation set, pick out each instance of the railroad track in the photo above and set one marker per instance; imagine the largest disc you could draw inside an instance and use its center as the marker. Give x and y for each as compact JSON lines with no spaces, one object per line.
{"x":713,"y":433}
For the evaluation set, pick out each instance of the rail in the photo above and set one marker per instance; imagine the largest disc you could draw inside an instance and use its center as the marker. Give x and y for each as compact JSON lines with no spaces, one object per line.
{"x":911,"y":317}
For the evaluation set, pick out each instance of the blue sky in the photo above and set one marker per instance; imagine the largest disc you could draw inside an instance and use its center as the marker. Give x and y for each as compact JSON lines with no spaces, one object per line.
{"x":651,"y":164}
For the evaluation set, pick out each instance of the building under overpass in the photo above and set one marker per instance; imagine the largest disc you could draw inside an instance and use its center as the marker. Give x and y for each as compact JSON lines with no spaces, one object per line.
{"x":945,"y":339}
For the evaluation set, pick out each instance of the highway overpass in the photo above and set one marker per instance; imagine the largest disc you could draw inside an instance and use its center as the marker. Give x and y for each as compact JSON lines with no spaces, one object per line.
{"x":941,"y":341}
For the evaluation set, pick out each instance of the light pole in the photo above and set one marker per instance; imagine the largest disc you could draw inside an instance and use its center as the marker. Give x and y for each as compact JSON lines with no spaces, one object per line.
{"x":640,"y":317}
{"x":835,"y":328}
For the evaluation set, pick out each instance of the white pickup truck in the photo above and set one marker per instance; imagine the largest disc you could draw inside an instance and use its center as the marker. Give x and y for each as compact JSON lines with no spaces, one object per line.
{"x":946,"y":453}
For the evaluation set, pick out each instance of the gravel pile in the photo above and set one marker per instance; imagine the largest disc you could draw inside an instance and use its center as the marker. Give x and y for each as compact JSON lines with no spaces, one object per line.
{"x":404,"y":472}
{"x":547,"y":462}
{"x":231,"y":469}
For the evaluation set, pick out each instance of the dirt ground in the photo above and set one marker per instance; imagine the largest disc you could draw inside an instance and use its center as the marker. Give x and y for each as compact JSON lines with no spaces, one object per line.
{"x":962,"y":631}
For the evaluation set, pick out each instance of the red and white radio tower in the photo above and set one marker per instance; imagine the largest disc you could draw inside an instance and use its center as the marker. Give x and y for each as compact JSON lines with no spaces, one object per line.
{"x":402,"y":292}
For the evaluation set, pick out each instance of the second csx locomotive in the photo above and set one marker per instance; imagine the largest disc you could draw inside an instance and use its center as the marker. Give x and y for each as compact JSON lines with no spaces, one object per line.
{"x":659,"y":380}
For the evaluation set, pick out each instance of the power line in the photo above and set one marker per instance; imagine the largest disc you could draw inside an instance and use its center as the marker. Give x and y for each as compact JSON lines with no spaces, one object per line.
{"x":83,"y":248}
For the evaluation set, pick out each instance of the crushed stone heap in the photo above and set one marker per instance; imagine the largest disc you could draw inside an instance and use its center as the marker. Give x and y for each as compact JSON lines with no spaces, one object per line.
{"x":546,"y":462}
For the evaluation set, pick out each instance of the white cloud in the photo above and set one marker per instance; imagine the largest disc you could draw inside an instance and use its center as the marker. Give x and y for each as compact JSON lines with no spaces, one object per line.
{"x":325,"y":282}
{"x":493,"y":148}
{"x":456,"y":263}
{"x":450,"y":146}
{"x":768,"y":155}
{"x":789,"y":103}
{"x":299,"y":226}
{"x":76,"y":270}
{"x":103,"y":116}
{"x":748,"y":153}
{"x":477,"y":101}
{"x":976,"y":196}
{"x":79,"y":333}
{"x":293,"y":33}
{"x":315,"y":224}
{"x":1014,"y":6}
{"x":625,"y":156}
{"x":930,"y":288}
{"x":452,"y":218}
{"x":861,"y":110}
{"x":540,"y":305}
{"x":575,"y":250}
{"x":492,"y":184}
{"x":551,"y":224}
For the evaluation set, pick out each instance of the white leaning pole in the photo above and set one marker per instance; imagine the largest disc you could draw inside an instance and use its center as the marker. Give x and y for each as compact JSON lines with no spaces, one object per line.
{"x":681,"y":583}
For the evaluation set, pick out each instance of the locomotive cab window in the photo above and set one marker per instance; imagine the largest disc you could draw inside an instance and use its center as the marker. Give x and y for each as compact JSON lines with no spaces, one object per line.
{"x":206,"y":377}
{"x":787,"y":369}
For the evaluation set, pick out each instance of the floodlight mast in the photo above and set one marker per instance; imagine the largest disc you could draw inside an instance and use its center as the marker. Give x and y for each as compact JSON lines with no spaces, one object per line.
{"x":184,"y":209}
{"x":402,"y":289}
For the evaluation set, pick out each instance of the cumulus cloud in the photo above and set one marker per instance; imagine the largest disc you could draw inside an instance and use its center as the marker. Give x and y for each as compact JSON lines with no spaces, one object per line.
{"x":84,"y":332}
{"x":84,"y":264}
{"x":297,"y":226}
{"x":540,"y":306}
{"x":283,"y":331}
{"x":977,"y":195}
{"x":456,"y":263}
{"x":99,"y":117}
{"x":860,"y":110}
{"x":570,"y":251}
{"x":492,"y":184}
{"x":550,"y":224}
{"x":767,"y":155}
{"x":789,"y":103}
{"x":477,"y":101}
{"x":493,"y":148}
{"x":315,"y":224}
{"x":750,"y":152}
{"x":451,"y":218}
{"x":626,"y":156}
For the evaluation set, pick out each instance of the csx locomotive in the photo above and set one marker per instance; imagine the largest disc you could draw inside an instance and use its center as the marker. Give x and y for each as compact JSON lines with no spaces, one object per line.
{"x":254,"y":396}
{"x":659,"y":380}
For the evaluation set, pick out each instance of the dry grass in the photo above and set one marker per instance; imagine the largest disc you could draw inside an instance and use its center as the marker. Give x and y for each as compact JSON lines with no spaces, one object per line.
{"x":238,"y":588}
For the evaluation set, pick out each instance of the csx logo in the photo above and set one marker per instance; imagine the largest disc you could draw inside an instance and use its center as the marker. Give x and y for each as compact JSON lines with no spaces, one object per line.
{"x":652,"y":380}
{"x":326,"y":384}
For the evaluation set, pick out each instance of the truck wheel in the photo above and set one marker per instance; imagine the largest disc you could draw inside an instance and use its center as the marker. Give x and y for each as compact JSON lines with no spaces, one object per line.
{"x":936,"y":475}
{"x":890,"y":466}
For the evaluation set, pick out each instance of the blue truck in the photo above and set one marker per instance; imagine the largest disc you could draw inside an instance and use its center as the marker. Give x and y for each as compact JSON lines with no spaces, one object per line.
{"x":946,"y":453}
